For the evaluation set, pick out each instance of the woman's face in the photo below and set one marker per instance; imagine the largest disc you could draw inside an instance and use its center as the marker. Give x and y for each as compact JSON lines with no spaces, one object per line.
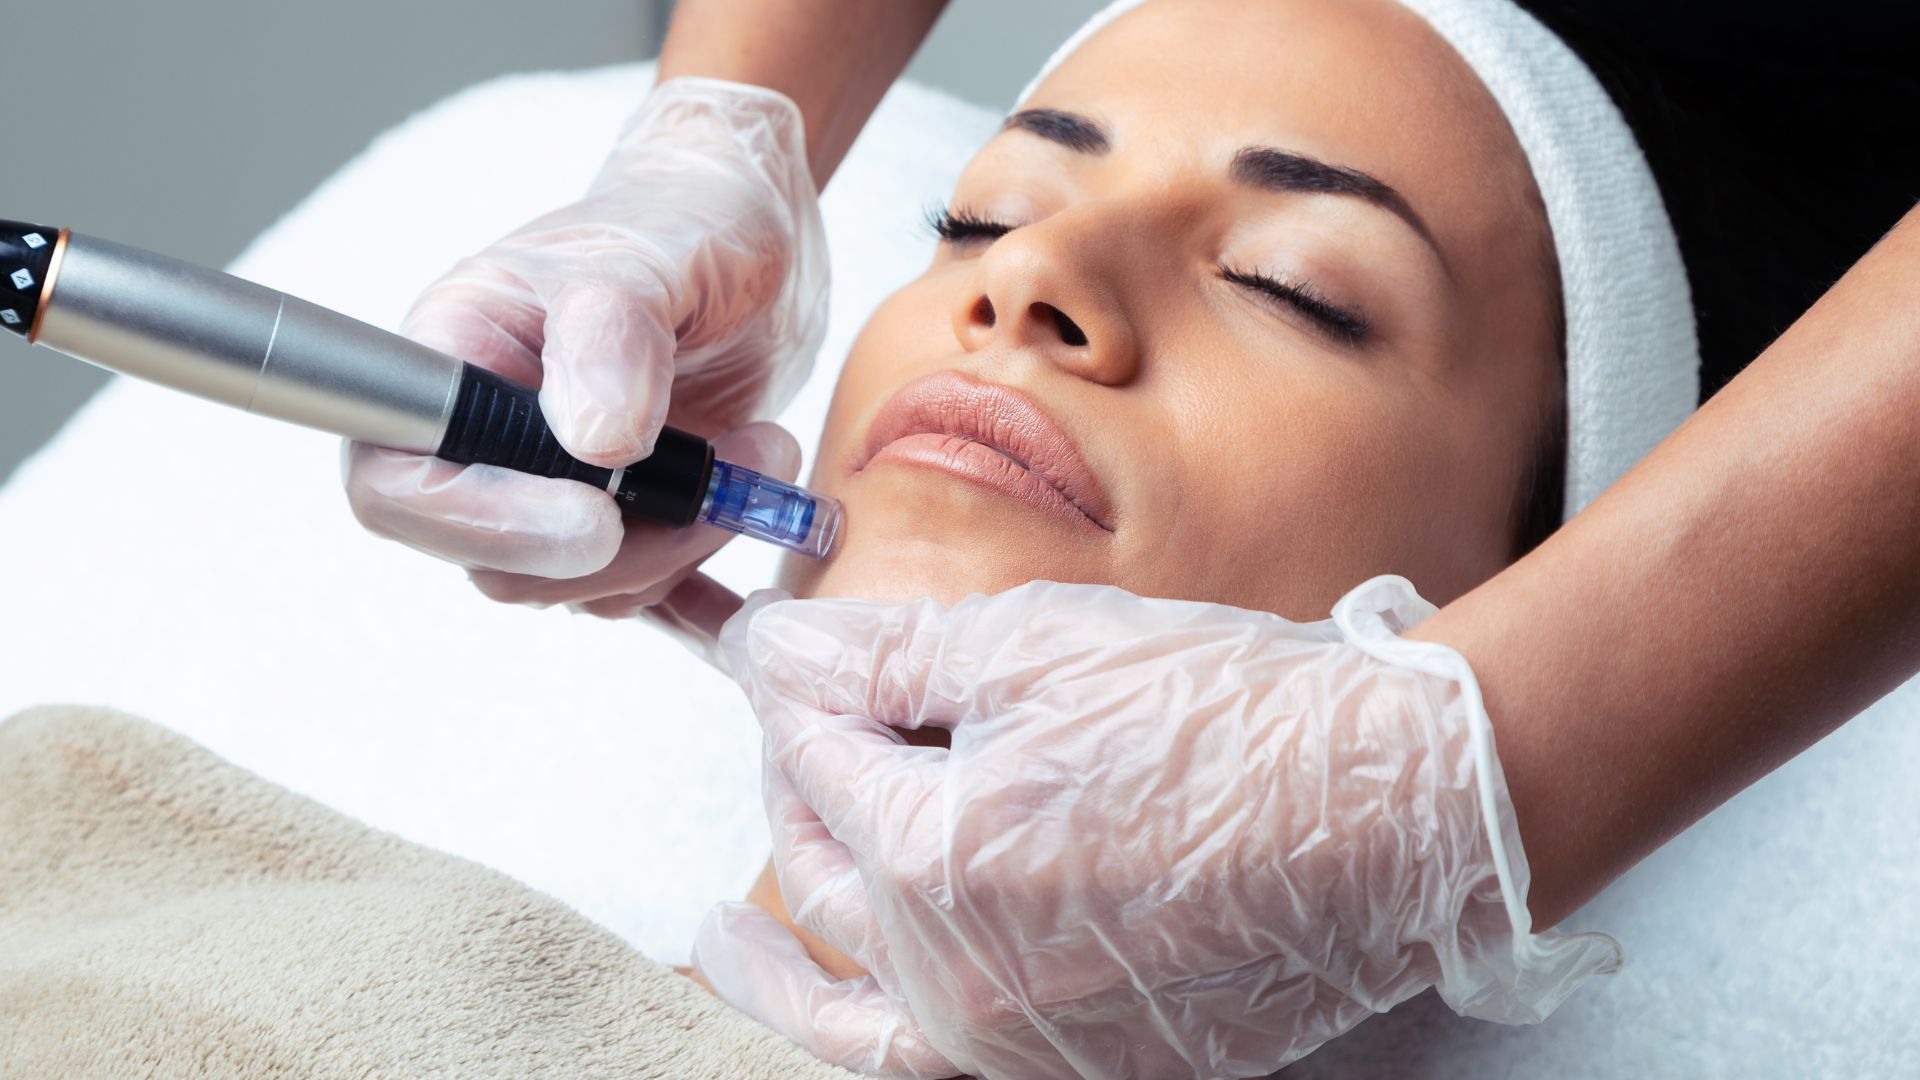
{"x":1249,"y":303}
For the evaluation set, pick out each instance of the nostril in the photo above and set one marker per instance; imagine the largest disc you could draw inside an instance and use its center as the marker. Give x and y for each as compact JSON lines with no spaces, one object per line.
{"x":1070,"y":332}
{"x":983,"y":312}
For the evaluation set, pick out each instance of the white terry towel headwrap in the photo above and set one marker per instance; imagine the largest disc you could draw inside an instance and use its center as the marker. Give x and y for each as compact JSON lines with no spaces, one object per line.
{"x":1633,"y":364}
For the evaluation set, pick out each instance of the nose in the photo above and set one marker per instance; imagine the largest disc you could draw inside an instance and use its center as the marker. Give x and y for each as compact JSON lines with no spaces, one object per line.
{"x":1043,"y":289}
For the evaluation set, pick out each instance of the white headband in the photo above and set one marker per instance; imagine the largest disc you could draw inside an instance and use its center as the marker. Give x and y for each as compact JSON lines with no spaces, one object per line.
{"x":1633,"y":364}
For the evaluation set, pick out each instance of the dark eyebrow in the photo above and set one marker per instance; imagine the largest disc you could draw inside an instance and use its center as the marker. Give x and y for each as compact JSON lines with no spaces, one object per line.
{"x":1261,"y":167}
{"x":1281,"y":170}
{"x":1068,"y":129}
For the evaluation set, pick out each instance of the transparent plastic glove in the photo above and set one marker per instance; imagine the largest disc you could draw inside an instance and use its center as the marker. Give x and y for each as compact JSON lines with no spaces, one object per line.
{"x":689,"y":284}
{"x":1169,"y":839}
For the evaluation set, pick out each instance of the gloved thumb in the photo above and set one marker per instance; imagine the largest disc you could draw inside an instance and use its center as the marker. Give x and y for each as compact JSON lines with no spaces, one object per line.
{"x":886,"y":662}
{"x":608,"y":367}
{"x":732,"y":652}
{"x":484,"y":315}
{"x":757,"y":966}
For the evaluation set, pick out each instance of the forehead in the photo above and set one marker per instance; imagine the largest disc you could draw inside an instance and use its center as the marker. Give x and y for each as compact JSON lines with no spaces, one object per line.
{"x":1365,"y":84}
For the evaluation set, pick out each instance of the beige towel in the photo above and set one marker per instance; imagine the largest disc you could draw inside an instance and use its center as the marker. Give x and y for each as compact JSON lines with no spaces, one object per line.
{"x":164,"y":913}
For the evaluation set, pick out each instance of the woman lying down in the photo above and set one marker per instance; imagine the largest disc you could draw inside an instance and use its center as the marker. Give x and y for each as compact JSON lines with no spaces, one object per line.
{"x":1249,"y":304}
{"x":1246,"y":304}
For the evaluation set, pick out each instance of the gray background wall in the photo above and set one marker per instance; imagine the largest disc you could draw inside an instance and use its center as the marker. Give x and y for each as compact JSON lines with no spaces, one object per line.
{"x":189,"y":126}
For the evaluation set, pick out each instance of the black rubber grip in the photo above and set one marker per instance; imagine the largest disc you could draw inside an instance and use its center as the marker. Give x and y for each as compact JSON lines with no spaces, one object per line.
{"x":26,"y":253}
{"x":497,"y":421}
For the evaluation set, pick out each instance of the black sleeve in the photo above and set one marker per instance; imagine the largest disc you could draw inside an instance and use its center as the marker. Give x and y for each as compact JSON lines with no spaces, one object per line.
{"x":1785,"y":138}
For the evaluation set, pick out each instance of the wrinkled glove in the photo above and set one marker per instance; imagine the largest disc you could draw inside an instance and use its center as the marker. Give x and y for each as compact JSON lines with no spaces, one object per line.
{"x":690,"y":284}
{"x":1169,"y":839}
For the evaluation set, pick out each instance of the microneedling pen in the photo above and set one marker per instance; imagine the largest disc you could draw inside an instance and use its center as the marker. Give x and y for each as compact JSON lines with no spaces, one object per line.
{"x":241,"y":344}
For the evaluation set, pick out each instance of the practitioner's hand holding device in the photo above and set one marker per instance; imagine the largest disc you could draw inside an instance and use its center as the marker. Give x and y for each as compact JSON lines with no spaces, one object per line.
{"x":689,"y":284}
{"x":1169,"y":839}
{"x":695,"y":266}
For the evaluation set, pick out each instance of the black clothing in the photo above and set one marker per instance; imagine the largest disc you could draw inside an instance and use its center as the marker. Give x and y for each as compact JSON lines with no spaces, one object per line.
{"x":1785,"y":139}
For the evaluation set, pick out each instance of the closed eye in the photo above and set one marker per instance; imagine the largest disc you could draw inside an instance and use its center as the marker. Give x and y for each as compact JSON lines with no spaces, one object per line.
{"x":1347,"y":326}
{"x":961,"y":226}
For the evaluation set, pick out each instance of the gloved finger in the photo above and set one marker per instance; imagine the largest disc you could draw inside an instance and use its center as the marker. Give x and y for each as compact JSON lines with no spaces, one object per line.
{"x":691,"y":614}
{"x":855,"y":657}
{"x":733,"y":643}
{"x":875,"y":794}
{"x":609,"y":367}
{"x":481,"y":515}
{"x":650,"y":560}
{"x":756,"y":965}
{"x":647,"y":562}
{"x":485,"y":315}
{"x":919,"y":664}
{"x":819,"y":882}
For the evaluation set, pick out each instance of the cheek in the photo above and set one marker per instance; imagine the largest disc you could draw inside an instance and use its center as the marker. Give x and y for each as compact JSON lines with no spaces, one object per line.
{"x":1294,"y":492}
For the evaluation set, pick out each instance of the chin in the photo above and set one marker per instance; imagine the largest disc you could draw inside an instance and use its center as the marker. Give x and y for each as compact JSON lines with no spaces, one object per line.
{"x":896,"y":569}
{"x":942,"y":544}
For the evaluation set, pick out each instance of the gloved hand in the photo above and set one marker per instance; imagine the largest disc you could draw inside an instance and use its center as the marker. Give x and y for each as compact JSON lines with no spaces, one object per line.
{"x":1169,"y":839}
{"x":690,"y":284}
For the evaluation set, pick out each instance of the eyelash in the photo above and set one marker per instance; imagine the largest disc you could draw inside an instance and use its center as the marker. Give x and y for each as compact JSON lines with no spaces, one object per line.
{"x":958,"y":227}
{"x":1350,"y":327}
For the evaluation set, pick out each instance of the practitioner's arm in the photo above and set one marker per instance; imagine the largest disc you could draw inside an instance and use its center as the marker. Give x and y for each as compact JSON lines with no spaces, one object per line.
{"x":1751,"y":584}
{"x":834,"y":58}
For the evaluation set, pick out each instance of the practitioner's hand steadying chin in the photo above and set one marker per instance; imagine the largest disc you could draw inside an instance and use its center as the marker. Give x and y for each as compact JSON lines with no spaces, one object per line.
{"x":1169,"y":838}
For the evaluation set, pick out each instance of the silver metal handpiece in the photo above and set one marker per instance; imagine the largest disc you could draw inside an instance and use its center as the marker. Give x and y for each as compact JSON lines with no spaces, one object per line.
{"x":244,"y":345}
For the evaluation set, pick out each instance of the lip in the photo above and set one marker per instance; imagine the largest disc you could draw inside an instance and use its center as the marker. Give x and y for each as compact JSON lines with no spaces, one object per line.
{"x":989,"y":434}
